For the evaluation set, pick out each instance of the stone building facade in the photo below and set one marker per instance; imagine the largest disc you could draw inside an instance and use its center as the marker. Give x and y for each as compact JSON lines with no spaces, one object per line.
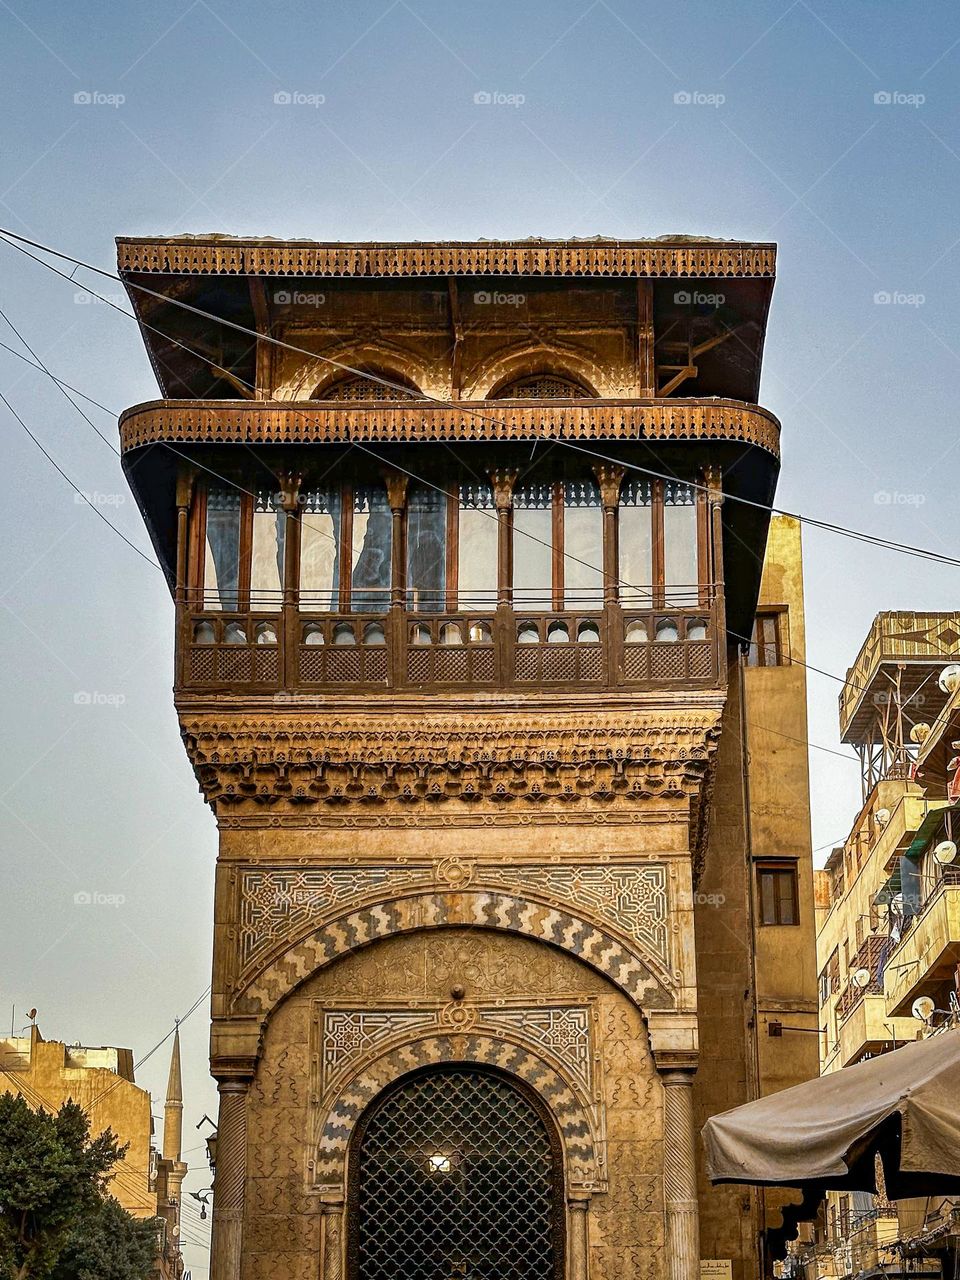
{"x":146,"y":1181}
{"x":514,"y":865}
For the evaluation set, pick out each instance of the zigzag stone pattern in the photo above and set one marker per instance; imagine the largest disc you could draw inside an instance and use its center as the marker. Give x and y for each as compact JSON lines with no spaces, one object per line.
{"x":585,"y":1164}
{"x":625,"y":968}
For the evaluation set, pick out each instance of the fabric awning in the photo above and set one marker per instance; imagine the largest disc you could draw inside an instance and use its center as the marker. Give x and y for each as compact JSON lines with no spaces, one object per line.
{"x":824,"y":1134}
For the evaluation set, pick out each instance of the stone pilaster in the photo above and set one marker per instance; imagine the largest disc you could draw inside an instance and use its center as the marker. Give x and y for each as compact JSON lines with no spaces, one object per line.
{"x":228,"y":1186}
{"x":578,"y":1239}
{"x":332,"y":1245}
{"x":680,"y":1176}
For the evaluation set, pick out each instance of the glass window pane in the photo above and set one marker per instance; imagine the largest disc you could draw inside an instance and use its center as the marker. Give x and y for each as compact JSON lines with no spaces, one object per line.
{"x":320,"y":549}
{"x":635,"y":536}
{"x":679,"y":542}
{"x":582,"y":545}
{"x":477,"y":548}
{"x":426,"y":549}
{"x":769,"y":624}
{"x":785,"y":884}
{"x":533,"y":545}
{"x":370,"y":556}
{"x":768,"y":898}
{"x":221,"y":564}
{"x":266,"y":561}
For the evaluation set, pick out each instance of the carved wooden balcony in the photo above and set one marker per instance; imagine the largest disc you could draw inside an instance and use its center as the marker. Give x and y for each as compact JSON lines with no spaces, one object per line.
{"x":604,"y":648}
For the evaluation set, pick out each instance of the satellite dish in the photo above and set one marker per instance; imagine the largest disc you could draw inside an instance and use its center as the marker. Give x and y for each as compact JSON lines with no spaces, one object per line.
{"x":923,"y":1008}
{"x":882,"y":816}
{"x":949,"y":678}
{"x":862,"y":978}
{"x":945,"y":852}
{"x":920,"y":733}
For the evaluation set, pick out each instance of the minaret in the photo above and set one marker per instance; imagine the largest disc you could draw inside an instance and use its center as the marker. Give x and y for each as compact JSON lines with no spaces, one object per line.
{"x":173,"y":1107}
{"x":172,"y":1142}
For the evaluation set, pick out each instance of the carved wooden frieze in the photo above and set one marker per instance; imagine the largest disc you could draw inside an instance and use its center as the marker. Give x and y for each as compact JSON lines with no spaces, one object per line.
{"x":195,"y":255}
{"x":312,"y":422}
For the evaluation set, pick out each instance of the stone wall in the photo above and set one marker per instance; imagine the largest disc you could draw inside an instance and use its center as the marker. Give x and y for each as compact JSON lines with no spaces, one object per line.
{"x":316,"y":1046}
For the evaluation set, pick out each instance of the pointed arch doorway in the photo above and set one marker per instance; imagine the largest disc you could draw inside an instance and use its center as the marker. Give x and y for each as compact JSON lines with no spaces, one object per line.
{"x":456,"y":1172}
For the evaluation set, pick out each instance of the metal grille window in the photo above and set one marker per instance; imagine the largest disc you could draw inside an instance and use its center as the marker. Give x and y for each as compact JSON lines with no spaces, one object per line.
{"x":455,"y":1175}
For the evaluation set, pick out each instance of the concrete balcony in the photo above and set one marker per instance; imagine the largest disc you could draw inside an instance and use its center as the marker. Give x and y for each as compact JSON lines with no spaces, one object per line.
{"x":930,"y":950}
{"x":867,"y":1029}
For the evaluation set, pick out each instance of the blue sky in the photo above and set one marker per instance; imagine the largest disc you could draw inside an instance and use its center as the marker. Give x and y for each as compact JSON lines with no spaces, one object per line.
{"x":784,"y":139}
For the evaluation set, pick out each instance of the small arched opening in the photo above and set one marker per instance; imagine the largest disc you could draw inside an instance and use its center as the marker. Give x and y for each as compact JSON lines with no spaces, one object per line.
{"x":456,"y":1171}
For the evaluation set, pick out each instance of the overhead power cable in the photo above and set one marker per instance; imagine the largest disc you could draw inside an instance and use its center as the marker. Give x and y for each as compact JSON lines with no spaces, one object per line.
{"x":17,"y":241}
{"x":813,"y":745}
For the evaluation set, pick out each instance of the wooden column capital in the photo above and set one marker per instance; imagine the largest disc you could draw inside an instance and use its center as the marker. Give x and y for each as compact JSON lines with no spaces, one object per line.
{"x":503,"y":481}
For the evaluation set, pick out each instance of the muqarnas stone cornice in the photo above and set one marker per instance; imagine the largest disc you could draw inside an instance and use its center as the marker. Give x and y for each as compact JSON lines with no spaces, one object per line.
{"x":294,"y":760}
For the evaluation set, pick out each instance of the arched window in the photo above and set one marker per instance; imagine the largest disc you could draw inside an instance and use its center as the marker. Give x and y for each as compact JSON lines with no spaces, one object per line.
{"x":456,"y":1172}
{"x":541,"y":386}
{"x":367,"y":384}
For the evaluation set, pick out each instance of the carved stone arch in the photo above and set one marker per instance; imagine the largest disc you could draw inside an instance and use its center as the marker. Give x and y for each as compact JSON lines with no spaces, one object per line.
{"x":560,"y":359}
{"x":579,"y":1122}
{"x":641,"y":976}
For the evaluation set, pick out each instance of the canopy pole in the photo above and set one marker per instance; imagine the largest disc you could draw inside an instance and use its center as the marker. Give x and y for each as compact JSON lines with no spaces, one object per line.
{"x":680,"y":1176}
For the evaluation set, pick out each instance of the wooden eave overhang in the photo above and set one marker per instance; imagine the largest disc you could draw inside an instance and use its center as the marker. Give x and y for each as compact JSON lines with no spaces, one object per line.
{"x":673,"y":257}
{"x":913,"y":643}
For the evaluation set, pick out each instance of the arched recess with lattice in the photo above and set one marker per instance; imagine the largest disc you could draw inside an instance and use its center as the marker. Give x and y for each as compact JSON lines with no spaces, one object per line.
{"x":368,"y":383}
{"x":578,"y":1121}
{"x":545,"y":385}
{"x":531,"y":360}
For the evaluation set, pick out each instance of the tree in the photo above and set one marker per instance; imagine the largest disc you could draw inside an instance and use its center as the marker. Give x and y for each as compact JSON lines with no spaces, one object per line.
{"x":109,"y":1245}
{"x":54,"y":1210}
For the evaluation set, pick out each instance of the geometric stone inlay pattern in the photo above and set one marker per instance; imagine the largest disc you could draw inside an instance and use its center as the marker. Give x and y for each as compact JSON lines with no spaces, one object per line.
{"x":279,"y":903}
{"x":634,"y":898}
{"x":563,"y":1030}
{"x":349,"y":1033}
{"x":274,"y":903}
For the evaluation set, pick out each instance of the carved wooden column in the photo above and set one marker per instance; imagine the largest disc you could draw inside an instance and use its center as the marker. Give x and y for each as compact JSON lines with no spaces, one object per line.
{"x":185,"y":481}
{"x":610,"y":478}
{"x":713,"y":479}
{"x":681,"y":1205}
{"x":183,"y":595}
{"x":504,"y":631}
{"x":397,"y":484}
{"x":228,"y":1185}
{"x":290,"y":621}
{"x":332,"y":1239}
{"x":578,"y":1239}
{"x":503,"y":482}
